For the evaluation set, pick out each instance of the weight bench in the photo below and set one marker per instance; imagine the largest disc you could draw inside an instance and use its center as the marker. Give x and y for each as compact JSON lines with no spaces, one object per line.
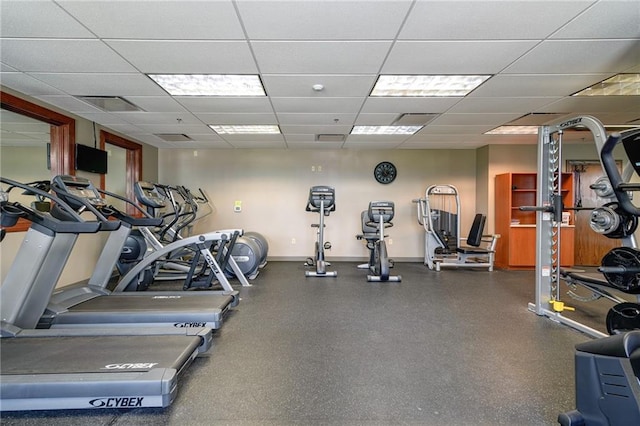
{"x":472,"y":254}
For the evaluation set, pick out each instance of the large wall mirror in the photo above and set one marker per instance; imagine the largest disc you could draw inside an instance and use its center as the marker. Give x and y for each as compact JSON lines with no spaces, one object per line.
{"x":27,"y":125}
{"x":38,"y":143}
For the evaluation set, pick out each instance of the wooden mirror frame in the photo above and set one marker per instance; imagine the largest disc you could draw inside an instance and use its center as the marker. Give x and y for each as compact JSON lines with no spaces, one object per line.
{"x":63,"y":138}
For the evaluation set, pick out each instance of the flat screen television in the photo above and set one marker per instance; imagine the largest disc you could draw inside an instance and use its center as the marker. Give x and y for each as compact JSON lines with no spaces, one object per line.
{"x":91,"y":159}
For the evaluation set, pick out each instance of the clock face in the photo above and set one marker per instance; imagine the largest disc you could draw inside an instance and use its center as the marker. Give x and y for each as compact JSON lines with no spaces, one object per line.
{"x":385,"y":172}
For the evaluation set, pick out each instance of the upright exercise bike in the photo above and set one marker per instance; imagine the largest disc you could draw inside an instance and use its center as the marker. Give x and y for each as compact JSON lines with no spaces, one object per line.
{"x":322,"y":201}
{"x":374,"y":221}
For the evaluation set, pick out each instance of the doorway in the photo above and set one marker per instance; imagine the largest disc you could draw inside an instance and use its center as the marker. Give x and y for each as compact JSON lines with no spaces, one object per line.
{"x":590,"y":247}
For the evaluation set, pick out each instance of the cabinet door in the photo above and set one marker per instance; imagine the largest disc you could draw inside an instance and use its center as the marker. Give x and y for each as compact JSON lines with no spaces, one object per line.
{"x":522,"y":242}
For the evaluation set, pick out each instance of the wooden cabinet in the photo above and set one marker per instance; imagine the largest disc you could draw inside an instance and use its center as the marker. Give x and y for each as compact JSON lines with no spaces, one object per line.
{"x":516,"y":248}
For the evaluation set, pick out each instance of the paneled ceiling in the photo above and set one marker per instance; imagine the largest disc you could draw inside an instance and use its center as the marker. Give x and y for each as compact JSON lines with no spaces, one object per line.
{"x":538,"y":53}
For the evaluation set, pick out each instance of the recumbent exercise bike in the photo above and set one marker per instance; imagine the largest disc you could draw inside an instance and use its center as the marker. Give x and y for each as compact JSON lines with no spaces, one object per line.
{"x":374,"y":221}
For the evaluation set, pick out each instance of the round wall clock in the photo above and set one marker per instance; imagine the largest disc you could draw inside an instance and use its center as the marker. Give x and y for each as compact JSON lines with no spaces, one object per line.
{"x":385,"y":172}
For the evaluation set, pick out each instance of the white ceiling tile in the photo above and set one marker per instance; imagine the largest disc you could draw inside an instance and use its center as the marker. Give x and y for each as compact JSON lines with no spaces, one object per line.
{"x":26,"y":84}
{"x":212,"y":104}
{"x":592,"y":104}
{"x":158,"y":19}
{"x":69,"y":103}
{"x":47,"y":55}
{"x":356,"y":143}
{"x":605,"y":19}
{"x":156,"y":103}
{"x":108,"y":119}
{"x":162,"y":118}
{"x":366,"y":119}
{"x":314,"y":130}
{"x":202,"y":144}
{"x":536,"y":85}
{"x":334,"y":85}
{"x":98,"y":84}
{"x":453,"y":57}
{"x":575,"y":57}
{"x":453,"y":129}
{"x":174,"y":128}
{"x":237,"y":118}
{"x":407,"y":105}
{"x":258,"y":144}
{"x":187,"y":57}
{"x":327,"y":19}
{"x":320,"y":57}
{"x":316,"y":119}
{"x":38,"y":19}
{"x":496,"y":105}
{"x":488,"y":20}
{"x":296,"y":144}
{"x":317,"y":105}
{"x":474,"y":119}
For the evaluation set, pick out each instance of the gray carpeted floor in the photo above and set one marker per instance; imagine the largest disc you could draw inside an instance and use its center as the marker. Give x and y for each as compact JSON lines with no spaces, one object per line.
{"x":456,"y":347}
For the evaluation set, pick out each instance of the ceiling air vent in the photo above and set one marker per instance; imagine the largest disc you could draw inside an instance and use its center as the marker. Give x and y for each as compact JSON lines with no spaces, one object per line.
{"x":414,"y":119}
{"x":327,"y":137}
{"x":173,"y":137}
{"x":110,"y":103}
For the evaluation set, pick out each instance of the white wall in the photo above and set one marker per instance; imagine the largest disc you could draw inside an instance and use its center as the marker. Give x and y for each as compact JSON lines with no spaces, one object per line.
{"x":273,"y":186}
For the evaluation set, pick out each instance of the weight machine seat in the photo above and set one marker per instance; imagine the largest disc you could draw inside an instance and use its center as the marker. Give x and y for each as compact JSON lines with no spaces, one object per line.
{"x":619,"y":345}
{"x":475,"y":237}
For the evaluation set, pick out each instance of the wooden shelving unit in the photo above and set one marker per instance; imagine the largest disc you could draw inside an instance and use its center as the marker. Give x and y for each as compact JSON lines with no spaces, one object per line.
{"x":516,"y":247}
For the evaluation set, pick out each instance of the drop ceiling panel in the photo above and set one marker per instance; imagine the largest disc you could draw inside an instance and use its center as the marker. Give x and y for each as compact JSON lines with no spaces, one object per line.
{"x":532,"y":85}
{"x":334,"y":85}
{"x":40,"y":55}
{"x":370,"y":144}
{"x":98,"y":84}
{"x":404,"y":105}
{"x":28,"y":85}
{"x":573,"y":57}
{"x":69,"y":103}
{"x":320,"y":57}
{"x":469,"y":131}
{"x":592,"y":23}
{"x":158,"y":19}
{"x":238,"y":118}
{"x":225,"y":104}
{"x":139,"y":118}
{"x":295,"y":144}
{"x":367,"y":119}
{"x":590,"y":104}
{"x":488,"y":20}
{"x":474,"y":119}
{"x":174,"y":128}
{"x":314,"y":130}
{"x":156,"y":103}
{"x":326,"y":20}
{"x":317,"y":105}
{"x":38,"y":19}
{"x":187,"y":57}
{"x":497,"y":105}
{"x":317,"y":119}
{"x":453,"y":57}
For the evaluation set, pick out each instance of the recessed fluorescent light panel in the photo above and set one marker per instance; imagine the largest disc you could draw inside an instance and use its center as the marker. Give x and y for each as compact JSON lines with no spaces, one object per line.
{"x":230,"y":129}
{"x":514,"y":130}
{"x":427,"y":85}
{"x":385,"y":130}
{"x":618,"y":85}
{"x":210,"y":84}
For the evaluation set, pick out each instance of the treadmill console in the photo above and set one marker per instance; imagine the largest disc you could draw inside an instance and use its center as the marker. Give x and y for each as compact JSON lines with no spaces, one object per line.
{"x":147,"y":193}
{"x":73,"y":188}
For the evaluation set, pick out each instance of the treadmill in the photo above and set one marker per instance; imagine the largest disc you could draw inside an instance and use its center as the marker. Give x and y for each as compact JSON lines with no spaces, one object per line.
{"x":79,"y":369}
{"x":92,"y":304}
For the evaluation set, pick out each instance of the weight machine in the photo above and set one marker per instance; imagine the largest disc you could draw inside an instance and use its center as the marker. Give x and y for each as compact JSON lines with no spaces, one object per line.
{"x":616,"y":219}
{"x":439,"y":215}
{"x":321,"y":200}
{"x":374,"y":220}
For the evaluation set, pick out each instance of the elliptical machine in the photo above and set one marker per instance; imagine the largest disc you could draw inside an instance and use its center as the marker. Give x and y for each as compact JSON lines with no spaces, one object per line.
{"x":322,"y":201}
{"x":374,"y":220}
